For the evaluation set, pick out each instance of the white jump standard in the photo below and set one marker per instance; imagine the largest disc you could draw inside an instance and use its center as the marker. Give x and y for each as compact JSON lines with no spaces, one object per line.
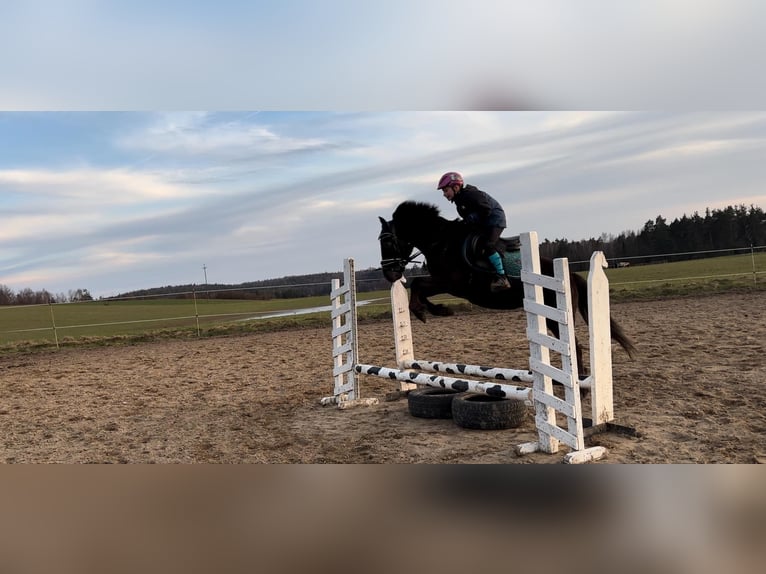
{"x":345,"y":346}
{"x":542,"y":374}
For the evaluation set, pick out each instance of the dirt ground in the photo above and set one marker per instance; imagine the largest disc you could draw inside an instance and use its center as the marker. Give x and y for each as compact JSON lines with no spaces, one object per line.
{"x":696,"y":394}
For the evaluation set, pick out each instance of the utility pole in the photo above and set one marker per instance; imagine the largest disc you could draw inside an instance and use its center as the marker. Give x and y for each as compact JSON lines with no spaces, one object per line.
{"x":204,"y":270}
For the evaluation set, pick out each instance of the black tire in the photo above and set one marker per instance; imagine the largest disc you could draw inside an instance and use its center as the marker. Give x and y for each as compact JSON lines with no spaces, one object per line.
{"x":431,"y":402}
{"x":474,"y":411}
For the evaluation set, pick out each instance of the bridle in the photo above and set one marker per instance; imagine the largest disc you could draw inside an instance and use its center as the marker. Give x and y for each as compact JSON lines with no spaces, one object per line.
{"x":396,"y":264}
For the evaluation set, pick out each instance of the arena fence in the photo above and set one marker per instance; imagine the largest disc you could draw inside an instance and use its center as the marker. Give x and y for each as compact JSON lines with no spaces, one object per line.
{"x":193,"y":311}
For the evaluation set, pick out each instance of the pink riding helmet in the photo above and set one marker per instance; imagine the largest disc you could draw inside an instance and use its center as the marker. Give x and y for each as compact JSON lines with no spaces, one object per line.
{"x":450,"y":178}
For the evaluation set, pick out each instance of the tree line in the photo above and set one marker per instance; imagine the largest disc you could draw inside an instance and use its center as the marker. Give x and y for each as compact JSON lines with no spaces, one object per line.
{"x":729,"y":228}
{"x":289,"y":287}
{"x":29,"y":297}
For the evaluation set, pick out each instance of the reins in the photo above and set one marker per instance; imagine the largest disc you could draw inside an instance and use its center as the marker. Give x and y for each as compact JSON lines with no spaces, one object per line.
{"x":396,"y":263}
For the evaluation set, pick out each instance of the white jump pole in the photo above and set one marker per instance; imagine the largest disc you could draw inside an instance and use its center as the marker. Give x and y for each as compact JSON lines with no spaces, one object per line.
{"x":472,"y":370}
{"x":461,"y":385}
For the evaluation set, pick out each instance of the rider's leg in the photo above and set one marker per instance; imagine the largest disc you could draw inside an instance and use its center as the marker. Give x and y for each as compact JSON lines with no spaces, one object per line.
{"x":500,"y":282}
{"x":497,"y":262}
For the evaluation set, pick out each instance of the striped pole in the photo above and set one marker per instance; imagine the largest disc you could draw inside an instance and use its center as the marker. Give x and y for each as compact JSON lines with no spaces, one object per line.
{"x":487,"y":388}
{"x":498,"y":373}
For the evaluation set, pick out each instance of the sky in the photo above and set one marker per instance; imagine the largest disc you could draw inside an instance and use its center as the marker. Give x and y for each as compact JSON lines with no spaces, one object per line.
{"x":117,"y":201}
{"x":141,"y":141}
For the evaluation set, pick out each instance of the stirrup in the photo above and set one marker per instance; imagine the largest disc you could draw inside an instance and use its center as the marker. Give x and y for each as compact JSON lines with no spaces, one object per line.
{"x":499,"y":283}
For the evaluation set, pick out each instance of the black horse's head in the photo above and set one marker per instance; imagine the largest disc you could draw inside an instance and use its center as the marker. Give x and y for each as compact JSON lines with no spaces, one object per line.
{"x":394,"y":252}
{"x":412,"y":224}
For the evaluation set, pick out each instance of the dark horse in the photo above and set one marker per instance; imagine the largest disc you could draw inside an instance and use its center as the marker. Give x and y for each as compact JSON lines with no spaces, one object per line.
{"x":443,"y":243}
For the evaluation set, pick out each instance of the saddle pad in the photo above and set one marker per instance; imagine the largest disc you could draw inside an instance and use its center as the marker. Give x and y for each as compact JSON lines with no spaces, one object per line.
{"x":512,"y":263}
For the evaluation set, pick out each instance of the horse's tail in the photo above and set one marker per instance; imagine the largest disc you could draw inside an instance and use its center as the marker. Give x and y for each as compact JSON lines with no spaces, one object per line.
{"x":582,"y":304}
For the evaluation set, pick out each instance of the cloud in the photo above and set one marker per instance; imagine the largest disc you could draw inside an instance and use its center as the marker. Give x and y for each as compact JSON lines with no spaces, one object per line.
{"x":199,"y":134}
{"x":114,"y":187}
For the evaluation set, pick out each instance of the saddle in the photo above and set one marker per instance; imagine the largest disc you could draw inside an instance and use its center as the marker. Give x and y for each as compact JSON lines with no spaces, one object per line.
{"x":509,"y":250}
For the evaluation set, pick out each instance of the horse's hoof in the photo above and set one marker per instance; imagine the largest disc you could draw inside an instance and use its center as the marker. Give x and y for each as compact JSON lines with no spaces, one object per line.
{"x":443,"y":311}
{"x":419,"y":314}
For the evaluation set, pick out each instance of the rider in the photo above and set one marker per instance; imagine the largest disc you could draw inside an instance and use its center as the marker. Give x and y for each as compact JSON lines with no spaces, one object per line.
{"x":479,"y":208}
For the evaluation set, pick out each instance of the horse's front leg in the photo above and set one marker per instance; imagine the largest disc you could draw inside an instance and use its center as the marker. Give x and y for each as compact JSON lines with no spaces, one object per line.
{"x":421,"y":288}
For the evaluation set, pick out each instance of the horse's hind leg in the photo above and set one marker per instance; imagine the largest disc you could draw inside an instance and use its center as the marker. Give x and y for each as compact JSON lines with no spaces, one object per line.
{"x":582,"y":368}
{"x":438,"y":309}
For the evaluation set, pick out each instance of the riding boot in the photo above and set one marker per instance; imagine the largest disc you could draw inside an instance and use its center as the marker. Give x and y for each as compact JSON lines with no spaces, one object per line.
{"x":499,"y":283}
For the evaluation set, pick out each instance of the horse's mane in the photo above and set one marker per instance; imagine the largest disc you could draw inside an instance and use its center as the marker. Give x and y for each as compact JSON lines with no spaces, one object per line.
{"x":414,"y":212}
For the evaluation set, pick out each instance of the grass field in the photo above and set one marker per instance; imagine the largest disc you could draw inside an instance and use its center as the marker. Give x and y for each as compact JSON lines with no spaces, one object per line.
{"x":100,"y":322}
{"x":688,"y":277}
{"x":135,"y":319}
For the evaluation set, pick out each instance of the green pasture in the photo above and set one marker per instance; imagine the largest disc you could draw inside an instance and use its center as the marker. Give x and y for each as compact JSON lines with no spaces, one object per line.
{"x":100,"y":322}
{"x":684,"y":278}
{"x":133,"y":319}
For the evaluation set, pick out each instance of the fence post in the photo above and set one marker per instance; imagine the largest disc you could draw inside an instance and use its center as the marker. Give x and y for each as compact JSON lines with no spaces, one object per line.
{"x":196,"y":312}
{"x":755,"y":273}
{"x":53,"y":322}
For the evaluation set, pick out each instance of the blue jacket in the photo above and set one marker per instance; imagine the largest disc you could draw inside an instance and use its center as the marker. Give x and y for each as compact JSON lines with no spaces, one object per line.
{"x":479,"y":208}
